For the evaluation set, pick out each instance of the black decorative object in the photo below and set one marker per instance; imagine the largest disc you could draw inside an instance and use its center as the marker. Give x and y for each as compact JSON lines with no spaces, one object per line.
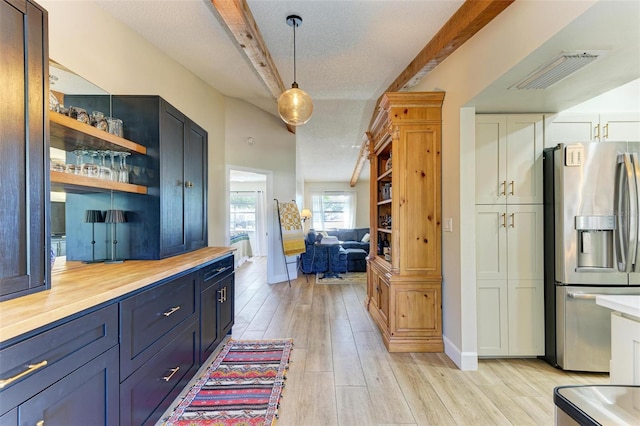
{"x":93,"y":217}
{"x":114,"y":217}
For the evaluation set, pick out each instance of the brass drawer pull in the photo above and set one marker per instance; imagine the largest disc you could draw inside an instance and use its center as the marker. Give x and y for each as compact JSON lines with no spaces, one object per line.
{"x":40,"y":423}
{"x":173,"y":371}
{"x":188,"y":184}
{"x":221,"y":269}
{"x":30,"y":369}
{"x":171,"y":311}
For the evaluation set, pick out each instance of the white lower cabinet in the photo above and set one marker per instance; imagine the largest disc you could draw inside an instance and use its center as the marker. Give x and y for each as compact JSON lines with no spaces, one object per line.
{"x":625,"y":350}
{"x":509,"y":273}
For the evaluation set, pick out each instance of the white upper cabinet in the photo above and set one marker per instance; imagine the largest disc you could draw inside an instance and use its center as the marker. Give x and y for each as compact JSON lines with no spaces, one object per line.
{"x":567,"y":128}
{"x":509,"y":159}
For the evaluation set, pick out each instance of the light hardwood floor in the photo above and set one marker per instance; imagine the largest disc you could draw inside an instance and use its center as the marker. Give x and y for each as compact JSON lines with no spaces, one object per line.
{"x":341,"y":373}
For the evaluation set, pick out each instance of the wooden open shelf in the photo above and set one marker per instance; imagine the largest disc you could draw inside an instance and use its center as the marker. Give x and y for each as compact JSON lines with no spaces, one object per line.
{"x":67,"y":182}
{"x":69,"y":134}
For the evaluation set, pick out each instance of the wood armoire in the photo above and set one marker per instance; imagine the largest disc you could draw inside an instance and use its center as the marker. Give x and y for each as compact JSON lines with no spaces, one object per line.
{"x":404,"y":283}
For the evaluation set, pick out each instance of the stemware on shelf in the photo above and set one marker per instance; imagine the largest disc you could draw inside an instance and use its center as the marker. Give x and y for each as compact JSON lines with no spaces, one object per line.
{"x":123,"y":175}
{"x":90,"y":169}
{"x":104,"y":172}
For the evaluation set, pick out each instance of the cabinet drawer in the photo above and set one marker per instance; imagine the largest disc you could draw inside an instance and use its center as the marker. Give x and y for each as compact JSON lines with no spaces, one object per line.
{"x":148,"y":392}
{"x":214,"y":272}
{"x":148,"y":316}
{"x":64,"y":348}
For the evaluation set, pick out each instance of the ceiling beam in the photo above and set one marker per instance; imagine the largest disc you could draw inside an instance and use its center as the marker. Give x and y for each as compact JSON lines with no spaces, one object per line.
{"x":363,"y":155}
{"x":470,"y":18}
{"x":237,"y":17}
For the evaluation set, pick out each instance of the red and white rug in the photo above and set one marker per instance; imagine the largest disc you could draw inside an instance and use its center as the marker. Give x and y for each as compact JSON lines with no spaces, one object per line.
{"x":241,"y":387}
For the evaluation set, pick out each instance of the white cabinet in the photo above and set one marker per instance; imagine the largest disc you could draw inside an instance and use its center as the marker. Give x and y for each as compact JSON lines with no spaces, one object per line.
{"x":509,"y":234}
{"x":509,"y":273}
{"x":625,"y":350}
{"x":509,"y":159}
{"x":592,"y":127}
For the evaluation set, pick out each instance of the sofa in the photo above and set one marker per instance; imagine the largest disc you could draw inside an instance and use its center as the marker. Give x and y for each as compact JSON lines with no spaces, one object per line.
{"x":349,"y":256}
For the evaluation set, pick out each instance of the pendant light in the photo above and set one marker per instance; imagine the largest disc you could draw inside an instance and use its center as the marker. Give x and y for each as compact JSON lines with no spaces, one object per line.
{"x":294,"y":105}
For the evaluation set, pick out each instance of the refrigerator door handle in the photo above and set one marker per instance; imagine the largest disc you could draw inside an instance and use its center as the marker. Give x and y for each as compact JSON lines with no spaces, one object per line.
{"x":635,"y":228}
{"x":626,"y":213}
{"x":622,"y":241}
{"x":631,"y":161}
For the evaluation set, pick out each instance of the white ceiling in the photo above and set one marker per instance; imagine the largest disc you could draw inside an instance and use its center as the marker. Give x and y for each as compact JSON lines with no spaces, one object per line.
{"x":349,"y":52}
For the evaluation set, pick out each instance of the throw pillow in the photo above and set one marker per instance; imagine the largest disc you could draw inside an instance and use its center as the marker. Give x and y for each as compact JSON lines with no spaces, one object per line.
{"x":324,"y":233}
{"x":366,"y":238}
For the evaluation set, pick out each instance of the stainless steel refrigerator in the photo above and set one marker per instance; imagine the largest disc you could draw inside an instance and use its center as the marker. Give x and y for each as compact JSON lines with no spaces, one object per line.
{"x":591,"y":226}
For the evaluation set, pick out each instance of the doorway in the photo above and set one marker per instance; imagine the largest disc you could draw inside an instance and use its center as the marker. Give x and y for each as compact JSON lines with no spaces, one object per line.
{"x":248,"y":213}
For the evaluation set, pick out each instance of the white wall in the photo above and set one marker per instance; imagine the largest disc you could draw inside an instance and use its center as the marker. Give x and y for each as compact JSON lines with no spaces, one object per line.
{"x":87,"y":40}
{"x":362,"y":197}
{"x":504,"y":42}
{"x":274,"y":150}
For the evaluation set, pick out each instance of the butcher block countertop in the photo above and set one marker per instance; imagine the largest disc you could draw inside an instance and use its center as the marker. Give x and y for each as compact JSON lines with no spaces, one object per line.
{"x":76,"y":286}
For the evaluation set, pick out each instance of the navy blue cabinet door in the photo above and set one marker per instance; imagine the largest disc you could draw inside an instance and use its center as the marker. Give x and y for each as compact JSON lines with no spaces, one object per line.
{"x":23,"y":122}
{"x":88,"y":396}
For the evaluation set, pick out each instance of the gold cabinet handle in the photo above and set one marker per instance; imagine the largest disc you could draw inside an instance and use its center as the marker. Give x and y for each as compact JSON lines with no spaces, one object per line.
{"x":512,"y":188}
{"x":171,"y":311}
{"x":170,"y":375}
{"x":513,"y":220}
{"x":225,"y":293}
{"x":605,"y":131}
{"x":221,"y":299}
{"x":188,"y":184}
{"x":504,"y":220}
{"x":503,"y":190}
{"x":30,"y":369}
{"x":40,"y":423}
{"x":596,"y":132}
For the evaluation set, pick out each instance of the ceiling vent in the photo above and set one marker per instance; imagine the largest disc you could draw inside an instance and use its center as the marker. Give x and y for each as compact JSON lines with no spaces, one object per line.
{"x":557,"y":69}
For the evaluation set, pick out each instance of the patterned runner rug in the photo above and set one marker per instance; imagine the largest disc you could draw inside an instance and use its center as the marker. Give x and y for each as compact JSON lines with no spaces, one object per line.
{"x":241,"y":387}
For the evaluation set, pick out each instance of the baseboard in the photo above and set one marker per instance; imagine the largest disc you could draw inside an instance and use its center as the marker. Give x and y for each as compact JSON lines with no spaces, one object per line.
{"x":283,"y":278}
{"x":464,"y":360}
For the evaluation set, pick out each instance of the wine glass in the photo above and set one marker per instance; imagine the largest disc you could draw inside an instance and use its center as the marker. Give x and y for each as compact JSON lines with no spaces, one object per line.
{"x":123,"y":176}
{"x":104,"y":172}
{"x":90,"y":168}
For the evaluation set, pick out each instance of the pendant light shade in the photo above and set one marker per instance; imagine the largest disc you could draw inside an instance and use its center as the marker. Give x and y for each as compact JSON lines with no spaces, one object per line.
{"x":294,"y":105}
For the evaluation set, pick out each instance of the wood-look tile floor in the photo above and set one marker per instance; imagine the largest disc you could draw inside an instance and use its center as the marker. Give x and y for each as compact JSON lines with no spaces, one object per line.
{"x":341,"y":373}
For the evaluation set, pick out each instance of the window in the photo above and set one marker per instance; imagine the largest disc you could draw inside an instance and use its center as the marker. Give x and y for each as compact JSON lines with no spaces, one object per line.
{"x":333,"y":209}
{"x":243,"y":211}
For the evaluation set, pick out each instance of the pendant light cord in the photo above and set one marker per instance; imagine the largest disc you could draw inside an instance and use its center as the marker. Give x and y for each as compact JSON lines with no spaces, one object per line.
{"x":295,"y":24}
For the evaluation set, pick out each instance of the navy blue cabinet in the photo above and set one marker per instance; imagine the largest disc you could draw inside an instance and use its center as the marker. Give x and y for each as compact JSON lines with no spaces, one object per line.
{"x":172,"y":218}
{"x":24,"y":242}
{"x":40,"y":375}
{"x":88,"y":396}
{"x":217,"y":282}
{"x":160,"y":352}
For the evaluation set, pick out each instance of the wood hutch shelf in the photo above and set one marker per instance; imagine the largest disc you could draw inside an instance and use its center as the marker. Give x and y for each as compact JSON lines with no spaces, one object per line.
{"x":67,"y":182}
{"x":69,"y":134}
{"x":404,"y":282}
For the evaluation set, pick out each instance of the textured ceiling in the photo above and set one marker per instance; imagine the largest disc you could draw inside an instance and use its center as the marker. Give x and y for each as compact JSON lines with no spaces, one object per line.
{"x":349,"y":52}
